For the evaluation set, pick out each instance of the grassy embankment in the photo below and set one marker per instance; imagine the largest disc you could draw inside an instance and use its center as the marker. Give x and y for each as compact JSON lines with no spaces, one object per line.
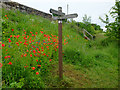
{"x":87,"y":64}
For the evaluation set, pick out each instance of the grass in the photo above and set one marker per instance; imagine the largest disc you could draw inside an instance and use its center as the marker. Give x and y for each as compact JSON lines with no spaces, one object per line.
{"x":86,"y":64}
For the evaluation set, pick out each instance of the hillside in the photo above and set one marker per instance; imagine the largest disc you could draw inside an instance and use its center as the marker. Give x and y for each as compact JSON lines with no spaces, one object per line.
{"x":30,"y":55}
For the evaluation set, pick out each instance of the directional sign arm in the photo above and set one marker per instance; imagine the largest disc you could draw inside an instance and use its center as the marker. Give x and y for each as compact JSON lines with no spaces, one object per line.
{"x":57,"y":12}
{"x":66,"y":16}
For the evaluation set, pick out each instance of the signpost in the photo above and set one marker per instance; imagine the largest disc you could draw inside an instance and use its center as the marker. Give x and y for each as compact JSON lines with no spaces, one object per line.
{"x":60,"y":16}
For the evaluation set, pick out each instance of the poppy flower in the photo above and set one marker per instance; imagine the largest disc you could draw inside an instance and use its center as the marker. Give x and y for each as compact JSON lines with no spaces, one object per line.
{"x":25,"y":67}
{"x":39,"y":65}
{"x":37,"y":60}
{"x":37,"y":73}
{"x":8,"y":56}
{"x":10,"y":63}
{"x":21,"y":55}
{"x":17,"y":42}
{"x":5,"y":15}
{"x":33,"y":68}
{"x":12,"y":29}
{"x":30,"y":55}
{"x":37,"y":49}
{"x":3,"y":45}
{"x":50,"y":59}
{"x":34,"y":51}
{"x":9,"y":40}
{"x":1,"y":65}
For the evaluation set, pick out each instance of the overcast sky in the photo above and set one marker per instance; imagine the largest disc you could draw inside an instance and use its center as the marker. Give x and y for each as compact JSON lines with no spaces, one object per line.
{"x":93,"y":8}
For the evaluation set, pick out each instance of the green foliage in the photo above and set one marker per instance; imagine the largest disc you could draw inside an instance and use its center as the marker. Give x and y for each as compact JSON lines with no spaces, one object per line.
{"x":113,"y":27}
{"x":95,"y":56}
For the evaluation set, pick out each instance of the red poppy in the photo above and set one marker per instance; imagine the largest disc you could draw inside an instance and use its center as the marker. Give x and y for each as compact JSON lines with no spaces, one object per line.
{"x":21,"y":55}
{"x":50,"y":59}
{"x":36,"y":32}
{"x":37,"y":49}
{"x":5,"y":15}
{"x":45,"y":35}
{"x":33,"y":68}
{"x":8,"y":56}
{"x":17,"y":42}
{"x":39,"y":65}
{"x":25,"y":67}
{"x":37,"y":73}
{"x":9,"y":40}
{"x":27,"y":50}
{"x":10,"y":63}
{"x":3,"y":45}
{"x":34,"y":51}
{"x":30,"y":55}
{"x":12,"y":29}
{"x":18,"y":36}
{"x":37,"y":60}
{"x":32,"y":34}
{"x":1,"y":65}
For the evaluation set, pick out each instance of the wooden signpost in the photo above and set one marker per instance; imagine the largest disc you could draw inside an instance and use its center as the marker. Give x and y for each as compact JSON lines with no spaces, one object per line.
{"x":61,"y":16}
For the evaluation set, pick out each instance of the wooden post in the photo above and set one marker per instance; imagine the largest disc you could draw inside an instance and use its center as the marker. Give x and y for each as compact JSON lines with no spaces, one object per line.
{"x":60,"y":45}
{"x":60,"y":16}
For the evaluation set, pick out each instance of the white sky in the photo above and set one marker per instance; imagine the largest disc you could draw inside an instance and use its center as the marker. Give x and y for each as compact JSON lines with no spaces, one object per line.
{"x":93,"y":8}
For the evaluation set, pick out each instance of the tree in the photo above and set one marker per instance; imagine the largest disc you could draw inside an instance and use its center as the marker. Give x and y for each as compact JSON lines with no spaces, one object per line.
{"x":86,"y":20}
{"x":87,"y":24}
{"x":113,"y":27}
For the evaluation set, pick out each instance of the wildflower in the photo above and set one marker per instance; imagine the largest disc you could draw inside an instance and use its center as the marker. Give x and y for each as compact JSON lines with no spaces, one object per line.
{"x":30,"y":55}
{"x":21,"y":55}
{"x":45,"y":35}
{"x":37,"y":60}
{"x":5,"y":57}
{"x":12,"y":29}
{"x":17,"y":42}
{"x":18,"y":36}
{"x":50,"y":59}
{"x":36,"y":32}
{"x":3,"y":45}
{"x":8,"y":56}
{"x":5,"y":15}
{"x":10,"y":63}
{"x":37,"y":49}
{"x":27,"y":50}
{"x":37,"y":73}
{"x":9,"y":40}
{"x":44,"y":54}
{"x":1,"y":65}
{"x":39,"y":65}
{"x":34,"y":51}
{"x":33,"y":68}
{"x":25,"y":67}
